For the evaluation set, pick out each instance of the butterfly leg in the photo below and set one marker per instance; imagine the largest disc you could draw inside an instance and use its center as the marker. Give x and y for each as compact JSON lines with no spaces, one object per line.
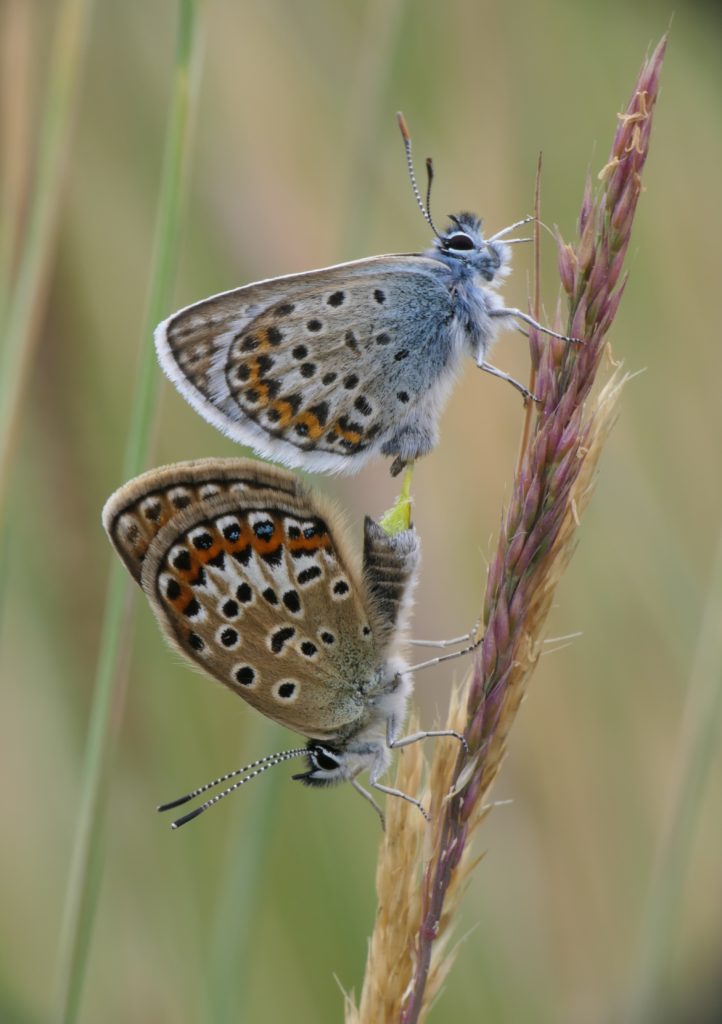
{"x":518,"y":314}
{"x":367,"y":796}
{"x":395,"y":742}
{"x":448,"y":643}
{"x":390,"y":791}
{"x":496,"y":372}
{"x":446,"y":657}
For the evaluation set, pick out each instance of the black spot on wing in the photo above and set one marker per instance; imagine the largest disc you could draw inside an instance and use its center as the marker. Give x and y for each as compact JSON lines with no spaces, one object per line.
{"x":281,"y":637}
{"x":307,"y":575}
{"x":229,"y":637}
{"x":245,"y":675}
{"x":320,"y":411}
{"x":362,"y":405}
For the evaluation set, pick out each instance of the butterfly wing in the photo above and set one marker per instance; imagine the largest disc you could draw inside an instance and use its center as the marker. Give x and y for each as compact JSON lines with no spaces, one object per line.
{"x":250,"y":579}
{"x":136,"y":512}
{"x":319,"y":369}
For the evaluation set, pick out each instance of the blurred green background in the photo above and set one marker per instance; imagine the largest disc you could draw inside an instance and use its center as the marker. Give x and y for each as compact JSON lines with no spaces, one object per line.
{"x":297,"y":163}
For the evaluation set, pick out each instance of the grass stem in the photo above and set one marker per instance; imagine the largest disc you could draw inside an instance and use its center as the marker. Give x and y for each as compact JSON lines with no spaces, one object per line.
{"x":88,"y":848}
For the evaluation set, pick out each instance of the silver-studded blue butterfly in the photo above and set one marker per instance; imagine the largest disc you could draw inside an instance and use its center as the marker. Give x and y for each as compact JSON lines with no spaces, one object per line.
{"x":325,"y":369}
{"x":250,"y":577}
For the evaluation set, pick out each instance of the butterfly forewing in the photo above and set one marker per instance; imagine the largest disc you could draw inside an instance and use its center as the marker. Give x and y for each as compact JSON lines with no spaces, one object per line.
{"x":253,"y":584}
{"x":315,"y":369}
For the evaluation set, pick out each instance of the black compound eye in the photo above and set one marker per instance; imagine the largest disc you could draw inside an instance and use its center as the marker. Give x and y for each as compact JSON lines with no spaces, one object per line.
{"x":325,"y":761}
{"x":459,"y":242}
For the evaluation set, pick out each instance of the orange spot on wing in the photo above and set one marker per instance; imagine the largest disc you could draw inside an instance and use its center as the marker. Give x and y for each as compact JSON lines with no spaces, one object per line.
{"x":285,"y":412}
{"x":213,"y":551}
{"x":310,"y":544}
{"x":245,"y":537}
{"x":180,"y":602}
{"x":266,"y":546}
{"x":264,"y":344}
{"x":352,"y":436}
{"x":311,"y":422}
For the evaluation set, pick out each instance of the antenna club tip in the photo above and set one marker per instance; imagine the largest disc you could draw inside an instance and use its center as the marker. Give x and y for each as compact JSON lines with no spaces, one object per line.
{"x":404,"y":128}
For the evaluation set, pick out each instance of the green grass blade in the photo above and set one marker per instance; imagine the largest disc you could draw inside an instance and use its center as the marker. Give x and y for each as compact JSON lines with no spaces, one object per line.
{"x":235,"y":920}
{"x":88,"y":853}
{"x":25,"y":295}
{"x":699,"y":743}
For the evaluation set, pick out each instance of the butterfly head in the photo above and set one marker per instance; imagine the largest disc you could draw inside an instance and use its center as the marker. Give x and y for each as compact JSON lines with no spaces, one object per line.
{"x":463,"y":244}
{"x":329,"y":764}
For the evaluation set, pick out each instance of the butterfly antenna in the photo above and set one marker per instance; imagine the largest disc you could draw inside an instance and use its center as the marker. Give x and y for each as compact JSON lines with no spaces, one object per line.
{"x":254,"y":768}
{"x":429,"y":182}
{"x":410,"y":164}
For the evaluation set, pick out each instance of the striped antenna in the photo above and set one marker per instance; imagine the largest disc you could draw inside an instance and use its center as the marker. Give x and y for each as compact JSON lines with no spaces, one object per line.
{"x":429,"y":170}
{"x":253,"y":769}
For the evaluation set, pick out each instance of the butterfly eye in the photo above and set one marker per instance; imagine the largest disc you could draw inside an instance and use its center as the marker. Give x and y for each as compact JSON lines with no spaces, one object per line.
{"x":324,"y":760}
{"x":459,"y":242}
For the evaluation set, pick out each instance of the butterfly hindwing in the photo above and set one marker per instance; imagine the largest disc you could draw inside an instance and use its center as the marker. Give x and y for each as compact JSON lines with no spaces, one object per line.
{"x":136,"y":512}
{"x":252,"y":583}
{"x":317,"y":369}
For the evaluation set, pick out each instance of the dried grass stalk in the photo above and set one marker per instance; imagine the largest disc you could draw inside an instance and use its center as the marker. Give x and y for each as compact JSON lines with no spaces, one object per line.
{"x":423,"y":869}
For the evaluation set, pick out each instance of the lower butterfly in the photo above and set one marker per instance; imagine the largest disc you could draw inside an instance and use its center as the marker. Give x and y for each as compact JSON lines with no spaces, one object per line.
{"x":250,"y":577}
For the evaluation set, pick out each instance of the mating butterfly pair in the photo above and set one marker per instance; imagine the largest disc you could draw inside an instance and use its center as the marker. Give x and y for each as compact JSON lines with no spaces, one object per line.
{"x":247,"y":571}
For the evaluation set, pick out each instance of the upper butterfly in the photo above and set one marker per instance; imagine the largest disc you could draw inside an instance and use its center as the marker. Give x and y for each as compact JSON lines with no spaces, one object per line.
{"x":325,"y":369}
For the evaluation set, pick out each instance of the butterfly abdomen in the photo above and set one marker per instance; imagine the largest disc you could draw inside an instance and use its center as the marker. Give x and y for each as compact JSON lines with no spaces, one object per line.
{"x":390,"y":564}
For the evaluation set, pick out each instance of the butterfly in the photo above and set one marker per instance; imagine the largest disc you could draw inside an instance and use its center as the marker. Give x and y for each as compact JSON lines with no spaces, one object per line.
{"x":251,"y":579}
{"x":326,"y":369}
